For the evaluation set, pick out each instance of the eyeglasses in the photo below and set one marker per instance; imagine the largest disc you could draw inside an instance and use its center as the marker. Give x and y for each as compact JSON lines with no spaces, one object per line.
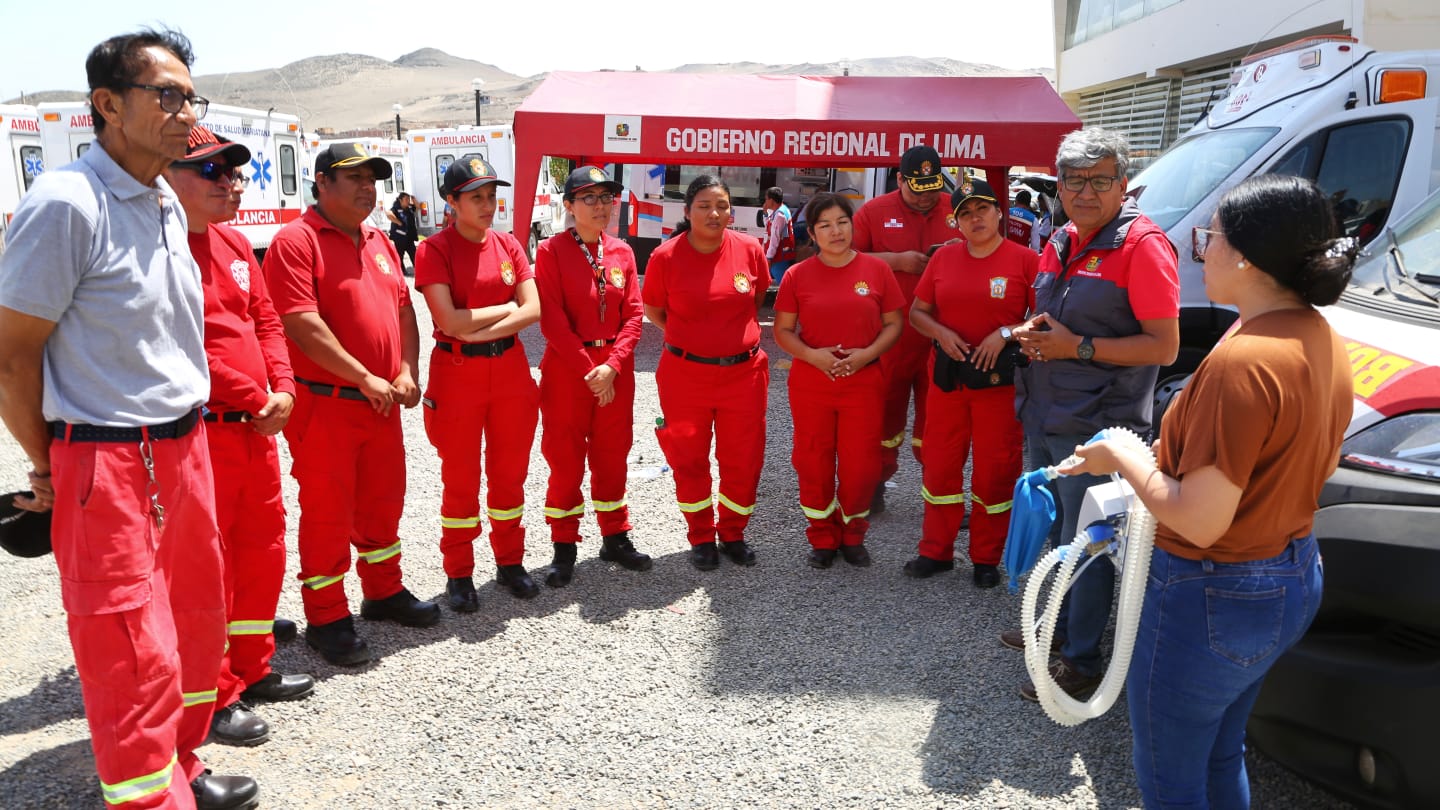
{"x":173,"y":100}
{"x":593,"y":199}
{"x":1200,"y":240}
{"x":1100,"y":182}
{"x":214,"y":172}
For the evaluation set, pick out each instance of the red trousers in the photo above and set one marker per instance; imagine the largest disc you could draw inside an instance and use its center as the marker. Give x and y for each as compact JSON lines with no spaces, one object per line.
{"x":698,"y":399}
{"x":350,"y":464}
{"x":251,"y":514}
{"x":146,"y":608}
{"x":837,"y":430}
{"x":475,"y":403}
{"x":962,"y":420}
{"x":906,"y":369}
{"x":577,"y":429}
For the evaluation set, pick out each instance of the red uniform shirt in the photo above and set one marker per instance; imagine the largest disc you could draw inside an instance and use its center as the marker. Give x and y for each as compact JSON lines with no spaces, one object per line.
{"x":710,"y":299}
{"x":887,"y":225}
{"x":244,"y":339}
{"x":974,"y":296}
{"x":840,"y":306}
{"x":570,"y":300}
{"x":480,"y":274}
{"x":312,"y":266}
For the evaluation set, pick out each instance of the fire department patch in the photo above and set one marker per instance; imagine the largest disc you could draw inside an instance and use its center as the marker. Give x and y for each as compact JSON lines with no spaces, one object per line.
{"x":861,"y":288}
{"x":966,"y":189}
{"x":240,"y":269}
{"x":507,"y":273}
{"x":997,"y":287}
{"x":927,"y":169}
{"x":617,"y":277}
{"x":1093,"y":263}
{"x":596,"y":176}
{"x":382,"y":263}
{"x":478,"y":167}
{"x":742,"y":284}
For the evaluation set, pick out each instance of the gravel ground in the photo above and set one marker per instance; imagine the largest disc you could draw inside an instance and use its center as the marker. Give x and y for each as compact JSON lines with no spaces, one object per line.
{"x":777,"y":686}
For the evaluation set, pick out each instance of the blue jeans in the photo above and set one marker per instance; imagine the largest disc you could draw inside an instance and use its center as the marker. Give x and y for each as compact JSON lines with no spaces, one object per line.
{"x":1086,"y":609}
{"x":777,"y":269}
{"x":1208,"y":634}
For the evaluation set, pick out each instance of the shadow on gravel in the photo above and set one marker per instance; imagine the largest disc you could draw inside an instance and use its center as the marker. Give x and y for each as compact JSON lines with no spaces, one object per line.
{"x":53,"y":700}
{"x":52,"y":778}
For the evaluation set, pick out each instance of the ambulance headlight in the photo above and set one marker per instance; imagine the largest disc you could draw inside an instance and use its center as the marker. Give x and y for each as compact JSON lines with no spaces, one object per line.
{"x":1407,"y":445}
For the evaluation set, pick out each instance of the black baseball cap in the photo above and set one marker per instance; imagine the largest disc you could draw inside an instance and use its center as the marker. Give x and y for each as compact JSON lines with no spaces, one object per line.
{"x":464,"y":175}
{"x":587,"y":176}
{"x":346,"y":155}
{"x":920,"y":166}
{"x":972,"y":190}
{"x":22,"y":532}
{"x":205,"y":146}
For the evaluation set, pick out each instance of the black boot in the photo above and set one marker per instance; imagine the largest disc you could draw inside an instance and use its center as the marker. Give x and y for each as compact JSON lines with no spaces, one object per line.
{"x":515,"y":579}
{"x":619,"y":549}
{"x":562,"y":567}
{"x":224,"y":792}
{"x":877,"y":501}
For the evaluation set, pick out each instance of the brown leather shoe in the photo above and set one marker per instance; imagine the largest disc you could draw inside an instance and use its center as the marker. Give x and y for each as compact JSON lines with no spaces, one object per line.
{"x":1067,"y":678}
{"x":1015,"y":640}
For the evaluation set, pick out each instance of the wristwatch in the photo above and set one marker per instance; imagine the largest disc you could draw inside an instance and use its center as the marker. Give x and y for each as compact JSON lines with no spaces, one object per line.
{"x":1086,"y":350}
{"x":1006,"y":334}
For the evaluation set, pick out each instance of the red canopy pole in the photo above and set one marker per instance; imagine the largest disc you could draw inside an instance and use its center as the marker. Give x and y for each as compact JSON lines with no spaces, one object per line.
{"x":999,"y":179}
{"x":527,"y":178}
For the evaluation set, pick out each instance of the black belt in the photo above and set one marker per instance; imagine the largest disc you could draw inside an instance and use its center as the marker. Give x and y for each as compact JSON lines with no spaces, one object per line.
{"x":597,"y":343}
{"x":100,"y":433}
{"x":328,"y":390}
{"x":494,"y":348}
{"x":732,"y":360}
{"x":227,"y":416}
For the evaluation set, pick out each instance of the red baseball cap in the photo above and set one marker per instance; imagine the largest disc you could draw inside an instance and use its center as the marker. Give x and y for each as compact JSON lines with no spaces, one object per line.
{"x":207,"y":146}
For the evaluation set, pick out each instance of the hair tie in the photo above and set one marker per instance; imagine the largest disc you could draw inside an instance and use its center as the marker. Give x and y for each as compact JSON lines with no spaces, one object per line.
{"x":1342,"y":247}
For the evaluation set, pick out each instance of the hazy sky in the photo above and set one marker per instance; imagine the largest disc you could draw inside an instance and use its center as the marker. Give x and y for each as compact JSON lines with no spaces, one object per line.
{"x":47,"y":40}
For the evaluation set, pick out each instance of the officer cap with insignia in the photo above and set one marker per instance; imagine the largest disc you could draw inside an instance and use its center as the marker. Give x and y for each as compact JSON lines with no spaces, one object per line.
{"x":346,"y":155}
{"x":22,"y":532}
{"x":972,"y":190}
{"x":920,"y":166}
{"x":588,"y":177}
{"x":468,"y":174}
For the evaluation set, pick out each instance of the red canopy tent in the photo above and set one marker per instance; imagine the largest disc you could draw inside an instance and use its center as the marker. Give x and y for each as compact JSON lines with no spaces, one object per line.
{"x":990,"y":123}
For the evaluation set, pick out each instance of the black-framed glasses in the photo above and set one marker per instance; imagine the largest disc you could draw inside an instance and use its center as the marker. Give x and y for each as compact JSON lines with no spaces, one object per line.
{"x":1200,"y":240}
{"x":212,"y":171}
{"x":592,"y":199}
{"x":1100,"y":182}
{"x":172,"y":100}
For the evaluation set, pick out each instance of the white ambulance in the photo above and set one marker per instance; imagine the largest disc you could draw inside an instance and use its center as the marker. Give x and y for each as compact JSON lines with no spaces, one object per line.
{"x":1360,"y":123}
{"x":433,"y":150}
{"x":23,"y":157}
{"x":274,"y":195}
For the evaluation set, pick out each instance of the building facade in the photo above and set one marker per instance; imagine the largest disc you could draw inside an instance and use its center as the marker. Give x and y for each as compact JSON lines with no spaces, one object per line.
{"x":1151,"y":68}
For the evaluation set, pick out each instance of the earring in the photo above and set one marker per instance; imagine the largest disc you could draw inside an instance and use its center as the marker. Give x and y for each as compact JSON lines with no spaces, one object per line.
{"x":1243,"y":264}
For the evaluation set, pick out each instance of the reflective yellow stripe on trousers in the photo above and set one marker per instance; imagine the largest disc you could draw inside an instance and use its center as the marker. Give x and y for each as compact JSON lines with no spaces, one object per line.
{"x":696,"y":506}
{"x":506,"y":514}
{"x":196,"y":698}
{"x":735,"y":507}
{"x":820,"y":514}
{"x":556,"y":514}
{"x":942,"y":500}
{"x":893,"y":441}
{"x":262,"y":627}
{"x":316,"y":583}
{"x":380,"y":555}
{"x":610,"y":506}
{"x":1003,"y":506}
{"x":459,"y":523}
{"x":140,"y":786}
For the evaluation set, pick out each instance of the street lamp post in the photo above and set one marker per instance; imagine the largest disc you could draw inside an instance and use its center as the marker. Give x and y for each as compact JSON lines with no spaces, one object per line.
{"x":397,"y":108}
{"x":479,"y":85}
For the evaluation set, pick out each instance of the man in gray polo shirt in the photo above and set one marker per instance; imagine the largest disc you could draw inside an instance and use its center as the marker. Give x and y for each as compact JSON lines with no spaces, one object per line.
{"x":102,"y":374}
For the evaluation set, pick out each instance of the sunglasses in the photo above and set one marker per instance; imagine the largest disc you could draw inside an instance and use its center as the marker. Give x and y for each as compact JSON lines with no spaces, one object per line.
{"x":215,"y":172}
{"x":1200,"y":240}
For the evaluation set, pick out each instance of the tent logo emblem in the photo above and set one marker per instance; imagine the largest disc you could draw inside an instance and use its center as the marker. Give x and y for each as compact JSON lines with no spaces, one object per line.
{"x":622,"y":130}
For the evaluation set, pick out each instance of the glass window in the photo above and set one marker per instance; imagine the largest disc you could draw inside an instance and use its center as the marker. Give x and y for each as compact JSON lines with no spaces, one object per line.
{"x":1360,"y":170}
{"x":32,"y":164}
{"x":744,"y":182}
{"x":442,"y":162}
{"x":399,"y":175}
{"x":82,"y":149}
{"x":1193,"y":168}
{"x":288,"y":176}
{"x":390,"y":184}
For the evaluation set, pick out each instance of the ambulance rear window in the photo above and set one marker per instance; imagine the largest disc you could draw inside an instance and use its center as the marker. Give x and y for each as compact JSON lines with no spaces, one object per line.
{"x":288,"y":181}
{"x":32,"y":164}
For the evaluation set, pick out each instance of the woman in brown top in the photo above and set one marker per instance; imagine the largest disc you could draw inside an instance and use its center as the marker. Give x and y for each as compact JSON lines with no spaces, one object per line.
{"x":1243,"y":452}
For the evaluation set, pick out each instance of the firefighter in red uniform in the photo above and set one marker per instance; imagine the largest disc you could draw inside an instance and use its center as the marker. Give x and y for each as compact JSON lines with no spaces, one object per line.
{"x":102,"y":336}
{"x":850,"y":307}
{"x":591,"y":317}
{"x":481,"y":292}
{"x":902,"y":228}
{"x":971,"y":296}
{"x":251,"y":393}
{"x":354,"y":345}
{"x":704,"y":288}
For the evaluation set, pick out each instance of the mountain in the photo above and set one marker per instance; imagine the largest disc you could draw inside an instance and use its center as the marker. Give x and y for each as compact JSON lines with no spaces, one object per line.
{"x":351,"y":92}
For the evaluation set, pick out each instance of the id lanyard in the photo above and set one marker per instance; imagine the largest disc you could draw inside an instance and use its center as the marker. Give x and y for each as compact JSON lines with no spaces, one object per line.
{"x":595,"y":263}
